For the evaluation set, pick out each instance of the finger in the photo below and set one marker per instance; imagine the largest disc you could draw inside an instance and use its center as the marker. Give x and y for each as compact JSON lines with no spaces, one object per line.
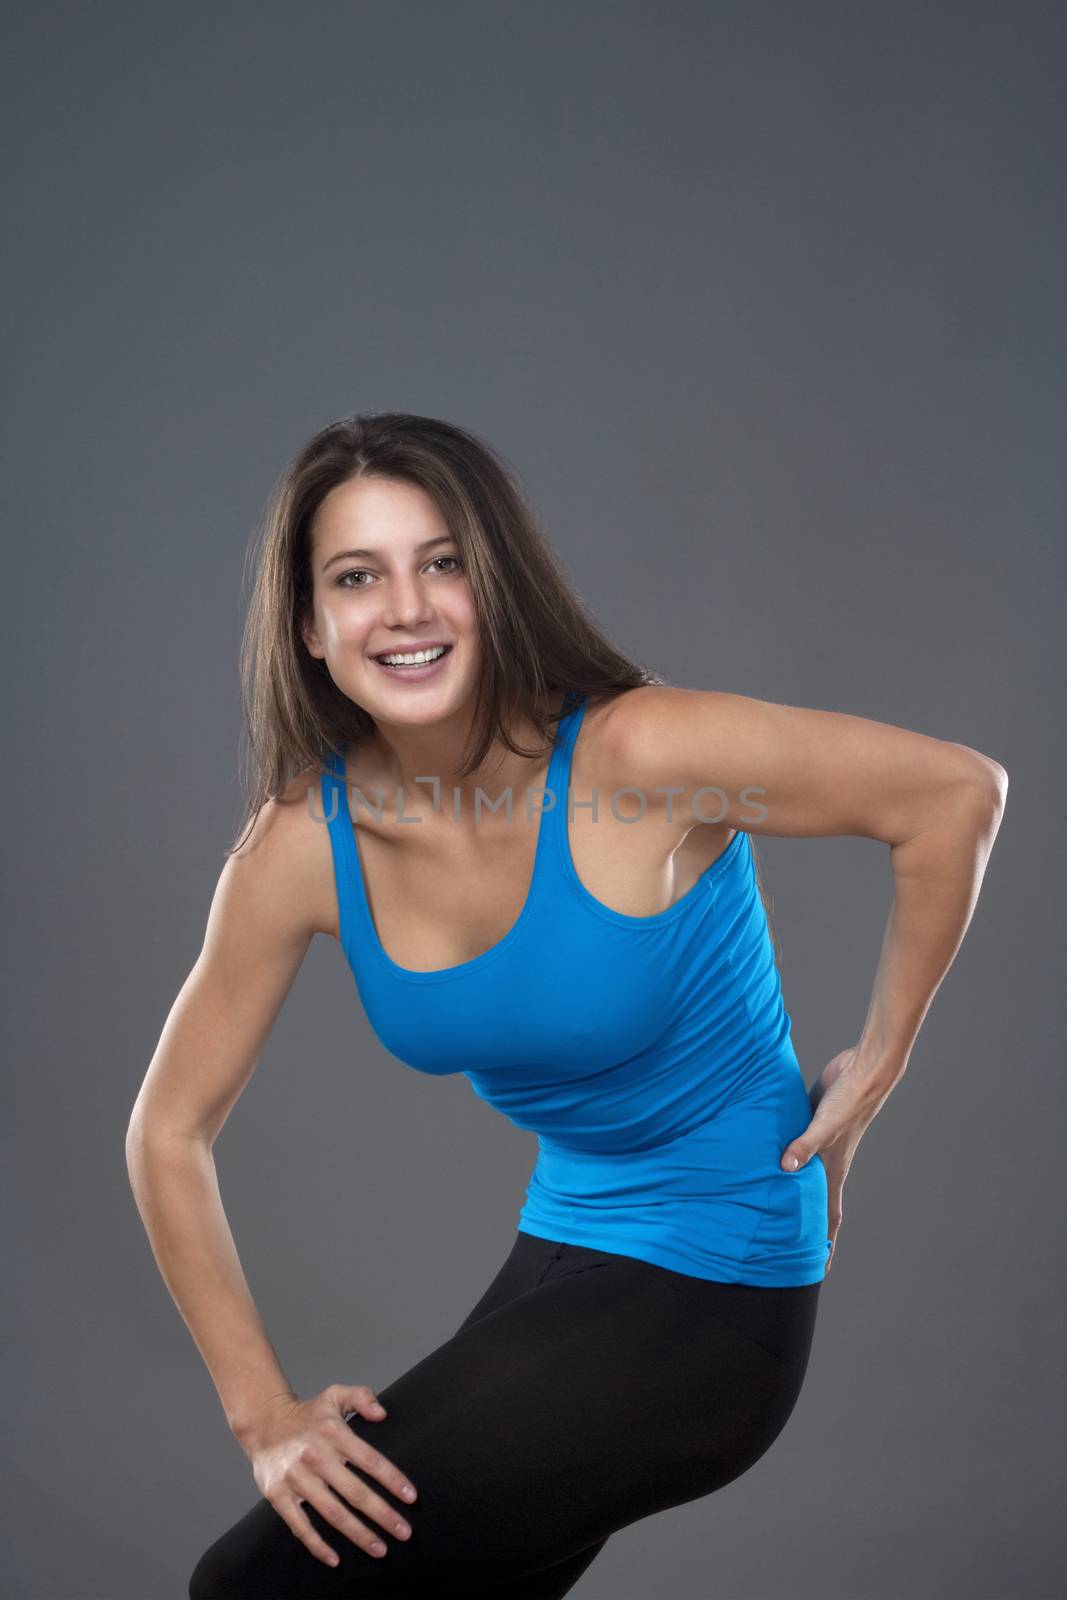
{"x":363,"y":1455}
{"x":363,"y":1498}
{"x":799,"y":1151}
{"x":307,"y":1487}
{"x":364,"y":1402}
{"x":298,"y":1523}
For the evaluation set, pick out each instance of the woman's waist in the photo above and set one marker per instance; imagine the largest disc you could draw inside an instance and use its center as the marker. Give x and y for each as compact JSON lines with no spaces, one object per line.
{"x":743,"y":1135}
{"x":707,"y":1116}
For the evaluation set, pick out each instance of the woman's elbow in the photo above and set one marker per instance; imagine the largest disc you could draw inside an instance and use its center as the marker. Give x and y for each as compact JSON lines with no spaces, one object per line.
{"x":990,"y":778}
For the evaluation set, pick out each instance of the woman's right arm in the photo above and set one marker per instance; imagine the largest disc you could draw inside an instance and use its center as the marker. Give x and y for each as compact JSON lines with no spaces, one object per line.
{"x":272,"y":896}
{"x":262,"y":919}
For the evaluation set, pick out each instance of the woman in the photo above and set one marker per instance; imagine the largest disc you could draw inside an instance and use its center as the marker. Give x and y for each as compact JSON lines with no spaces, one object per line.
{"x":611,"y":985}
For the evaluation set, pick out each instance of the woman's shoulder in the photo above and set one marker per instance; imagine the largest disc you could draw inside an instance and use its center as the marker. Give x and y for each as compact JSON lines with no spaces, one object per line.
{"x":614,"y":720}
{"x":610,"y":730}
{"x":631,"y":738}
{"x":288,"y":845}
{"x":627,"y":719}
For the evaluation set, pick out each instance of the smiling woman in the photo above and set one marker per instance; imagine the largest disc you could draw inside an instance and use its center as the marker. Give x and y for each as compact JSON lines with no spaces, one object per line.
{"x":390,"y":533}
{"x":611,"y":986}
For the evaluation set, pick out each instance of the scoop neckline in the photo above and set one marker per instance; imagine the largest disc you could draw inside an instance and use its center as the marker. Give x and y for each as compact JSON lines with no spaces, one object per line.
{"x":460,"y":969}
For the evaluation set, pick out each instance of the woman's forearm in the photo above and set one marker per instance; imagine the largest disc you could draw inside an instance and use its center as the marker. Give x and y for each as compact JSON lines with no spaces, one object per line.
{"x":176,"y":1188}
{"x":937,"y":875}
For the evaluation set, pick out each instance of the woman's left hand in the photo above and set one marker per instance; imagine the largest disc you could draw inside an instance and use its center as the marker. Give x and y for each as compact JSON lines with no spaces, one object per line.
{"x":845,"y":1099}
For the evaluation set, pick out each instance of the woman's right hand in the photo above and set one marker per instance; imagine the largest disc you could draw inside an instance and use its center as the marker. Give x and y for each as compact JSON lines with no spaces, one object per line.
{"x":299,"y":1449}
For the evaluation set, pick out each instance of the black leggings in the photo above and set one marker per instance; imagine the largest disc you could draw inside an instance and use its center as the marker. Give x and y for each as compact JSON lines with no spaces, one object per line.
{"x":585,"y":1390}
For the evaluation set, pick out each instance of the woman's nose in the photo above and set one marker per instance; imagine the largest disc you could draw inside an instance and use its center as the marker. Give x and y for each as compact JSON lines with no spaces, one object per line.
{"x":406,"y":603}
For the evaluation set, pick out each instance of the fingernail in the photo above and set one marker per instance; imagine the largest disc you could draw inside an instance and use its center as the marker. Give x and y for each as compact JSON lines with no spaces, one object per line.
{"x":377,"y":1406}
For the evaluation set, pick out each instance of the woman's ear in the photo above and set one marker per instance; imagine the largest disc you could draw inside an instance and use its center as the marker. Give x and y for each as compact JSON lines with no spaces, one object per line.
{"x":311,"y":638}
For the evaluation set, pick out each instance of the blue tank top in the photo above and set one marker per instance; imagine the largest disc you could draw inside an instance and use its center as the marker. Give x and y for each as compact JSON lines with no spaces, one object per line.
{"x":651,"y":1055}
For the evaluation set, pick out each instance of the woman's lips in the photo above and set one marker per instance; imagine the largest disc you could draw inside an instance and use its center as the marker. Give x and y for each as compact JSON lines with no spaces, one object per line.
{"x":428,"y":669}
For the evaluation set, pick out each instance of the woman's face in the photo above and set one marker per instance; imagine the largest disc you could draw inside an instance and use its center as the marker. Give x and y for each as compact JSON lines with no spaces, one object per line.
{"x":387,"y":577}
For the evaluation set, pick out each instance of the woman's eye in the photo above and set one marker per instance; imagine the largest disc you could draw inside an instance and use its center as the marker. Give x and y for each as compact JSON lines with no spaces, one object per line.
{"x":361,"y":572}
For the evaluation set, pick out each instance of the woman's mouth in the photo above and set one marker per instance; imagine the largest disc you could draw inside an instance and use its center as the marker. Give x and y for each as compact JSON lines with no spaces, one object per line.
{"x":414,"y":672}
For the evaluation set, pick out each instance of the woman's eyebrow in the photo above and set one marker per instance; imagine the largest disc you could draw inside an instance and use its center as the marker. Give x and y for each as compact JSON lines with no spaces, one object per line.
{"x":372,"y":555}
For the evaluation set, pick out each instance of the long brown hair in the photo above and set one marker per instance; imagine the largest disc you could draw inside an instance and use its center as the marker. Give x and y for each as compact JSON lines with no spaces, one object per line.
{"x":535,"y":634}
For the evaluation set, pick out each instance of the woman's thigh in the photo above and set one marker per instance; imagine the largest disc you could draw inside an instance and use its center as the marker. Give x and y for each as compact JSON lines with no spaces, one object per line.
{"x":584,"y":1391}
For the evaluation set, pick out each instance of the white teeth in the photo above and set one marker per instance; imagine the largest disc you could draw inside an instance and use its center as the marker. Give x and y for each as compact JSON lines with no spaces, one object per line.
{"x":417,"y":659}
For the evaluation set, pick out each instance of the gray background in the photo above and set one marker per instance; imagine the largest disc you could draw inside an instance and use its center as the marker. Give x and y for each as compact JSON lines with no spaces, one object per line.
{"x":761,"y":301}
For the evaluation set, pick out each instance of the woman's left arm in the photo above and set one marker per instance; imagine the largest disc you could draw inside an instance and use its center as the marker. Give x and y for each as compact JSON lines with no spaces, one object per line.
{"x":936,"y":804}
